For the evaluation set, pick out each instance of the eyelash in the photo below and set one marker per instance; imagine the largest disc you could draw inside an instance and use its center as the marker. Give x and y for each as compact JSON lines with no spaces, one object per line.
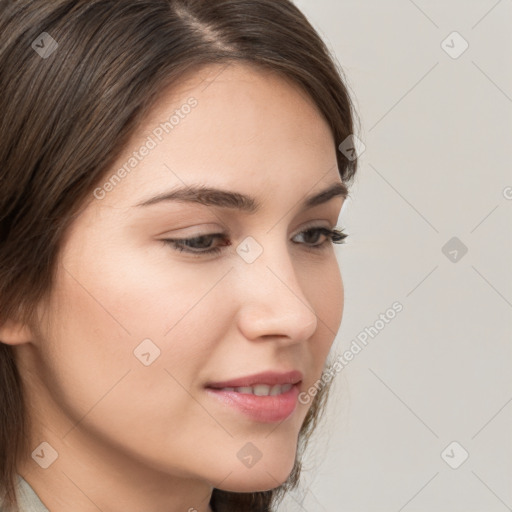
{"x":334,"y":236}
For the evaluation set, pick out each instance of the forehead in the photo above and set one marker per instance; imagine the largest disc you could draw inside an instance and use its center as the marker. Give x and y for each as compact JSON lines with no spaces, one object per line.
{"x":232,"y":126}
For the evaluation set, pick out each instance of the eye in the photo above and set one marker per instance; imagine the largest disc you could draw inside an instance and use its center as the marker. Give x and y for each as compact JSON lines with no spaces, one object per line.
{"x":334,"y":236}
{"x":200,"y":244}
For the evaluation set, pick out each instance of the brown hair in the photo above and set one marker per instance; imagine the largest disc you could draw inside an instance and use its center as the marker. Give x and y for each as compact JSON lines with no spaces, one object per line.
{"x":65,"y":118}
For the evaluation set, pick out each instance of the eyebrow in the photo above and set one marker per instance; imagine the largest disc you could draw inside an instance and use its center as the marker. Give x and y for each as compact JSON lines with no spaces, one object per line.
{"x":210,"y":196}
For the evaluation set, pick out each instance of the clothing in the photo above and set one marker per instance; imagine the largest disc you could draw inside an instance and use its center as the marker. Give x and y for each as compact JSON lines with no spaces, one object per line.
{"x":28,"y":500}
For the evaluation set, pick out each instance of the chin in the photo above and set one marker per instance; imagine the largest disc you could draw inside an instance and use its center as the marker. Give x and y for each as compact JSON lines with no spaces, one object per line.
{"x":261,"y":477}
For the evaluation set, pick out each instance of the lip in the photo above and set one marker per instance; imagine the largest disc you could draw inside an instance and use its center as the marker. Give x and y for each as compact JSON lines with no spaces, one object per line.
{"x":265,"y":409}
{"x":269,"y":377}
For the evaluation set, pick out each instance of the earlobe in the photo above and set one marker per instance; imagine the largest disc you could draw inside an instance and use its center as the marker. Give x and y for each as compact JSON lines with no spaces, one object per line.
{"x":15,"y":333}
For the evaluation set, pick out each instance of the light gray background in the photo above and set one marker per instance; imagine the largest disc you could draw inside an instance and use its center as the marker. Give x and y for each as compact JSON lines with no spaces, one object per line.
{"x":438,"y":136}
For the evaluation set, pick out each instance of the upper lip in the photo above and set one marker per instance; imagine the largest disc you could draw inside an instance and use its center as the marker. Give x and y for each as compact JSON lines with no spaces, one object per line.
{"x":270,"y":377}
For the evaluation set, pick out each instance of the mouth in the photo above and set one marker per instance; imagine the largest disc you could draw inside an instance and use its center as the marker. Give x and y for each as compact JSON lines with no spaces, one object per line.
{"x":258,"y":389}
{"x":262,"y":403}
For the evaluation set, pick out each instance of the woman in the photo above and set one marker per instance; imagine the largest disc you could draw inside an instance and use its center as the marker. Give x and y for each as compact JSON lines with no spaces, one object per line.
{"x":143,"y":364}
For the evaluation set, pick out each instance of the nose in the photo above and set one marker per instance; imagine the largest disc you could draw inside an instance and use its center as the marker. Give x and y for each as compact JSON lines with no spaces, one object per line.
{"x":272,"y":300}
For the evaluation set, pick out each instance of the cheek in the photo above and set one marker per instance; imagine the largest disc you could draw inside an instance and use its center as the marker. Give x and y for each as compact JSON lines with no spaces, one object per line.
{"x":112,"y":315}
{"x":334,"y":296}
{"x":325,"y":293}
{"x":99,"y":383}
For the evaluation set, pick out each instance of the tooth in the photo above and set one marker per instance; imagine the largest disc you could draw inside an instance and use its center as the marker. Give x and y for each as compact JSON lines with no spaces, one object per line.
{"x":286,"y":387}
{"x":276,"y":390}
{"x":261,"y":390}
{"x":228,"y":389}
{"x":244,"y":390}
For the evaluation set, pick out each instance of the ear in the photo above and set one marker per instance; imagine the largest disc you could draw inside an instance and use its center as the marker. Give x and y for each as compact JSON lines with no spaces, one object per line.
{"x":15,"y":333}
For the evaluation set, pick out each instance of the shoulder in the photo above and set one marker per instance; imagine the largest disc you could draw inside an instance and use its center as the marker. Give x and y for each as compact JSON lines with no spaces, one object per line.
{"x":28,"y":500}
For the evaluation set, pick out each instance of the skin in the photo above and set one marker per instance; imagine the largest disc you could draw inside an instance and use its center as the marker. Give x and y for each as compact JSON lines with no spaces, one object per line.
{"x":133,"y":437}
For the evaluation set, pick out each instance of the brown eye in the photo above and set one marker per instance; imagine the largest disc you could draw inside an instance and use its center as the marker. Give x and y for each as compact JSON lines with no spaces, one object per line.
{"x":197,"y":245}
{"x":333,"y":236}
{"x":201,"y":244}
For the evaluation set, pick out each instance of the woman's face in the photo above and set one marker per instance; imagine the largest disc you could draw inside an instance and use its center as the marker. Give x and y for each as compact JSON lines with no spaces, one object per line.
{"x":135,"y":329}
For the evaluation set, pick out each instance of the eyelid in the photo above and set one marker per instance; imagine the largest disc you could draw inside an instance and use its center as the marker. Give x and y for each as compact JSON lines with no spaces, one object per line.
{"x":315,"y":224}
{"x":197,"y":230}
{"x":225,"y":231}
{"x":188,"y":219}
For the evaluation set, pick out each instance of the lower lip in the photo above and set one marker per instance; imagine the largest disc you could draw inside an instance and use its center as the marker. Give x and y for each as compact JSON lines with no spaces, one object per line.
{"x":266,"y":409}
